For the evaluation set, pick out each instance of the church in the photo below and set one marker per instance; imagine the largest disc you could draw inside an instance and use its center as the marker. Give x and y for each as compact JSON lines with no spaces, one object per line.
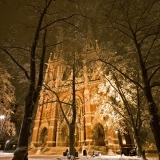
{"x":50,"y":128}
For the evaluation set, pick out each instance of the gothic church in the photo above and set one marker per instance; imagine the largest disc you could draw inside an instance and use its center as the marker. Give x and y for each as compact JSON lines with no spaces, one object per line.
{"x":50,"y":128}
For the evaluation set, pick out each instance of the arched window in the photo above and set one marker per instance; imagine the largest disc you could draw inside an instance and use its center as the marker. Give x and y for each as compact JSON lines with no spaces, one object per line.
{"x":44,"y":136}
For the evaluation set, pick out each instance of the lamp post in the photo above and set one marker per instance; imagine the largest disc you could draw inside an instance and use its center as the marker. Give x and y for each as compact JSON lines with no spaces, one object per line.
{"x":2,"y":117}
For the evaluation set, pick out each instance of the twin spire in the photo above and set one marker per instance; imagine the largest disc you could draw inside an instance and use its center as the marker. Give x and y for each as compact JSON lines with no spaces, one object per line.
{"x":91,"y":43}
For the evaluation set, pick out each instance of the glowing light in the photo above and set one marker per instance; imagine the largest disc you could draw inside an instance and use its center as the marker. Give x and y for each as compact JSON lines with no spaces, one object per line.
{"x":2,"y":117}
{"x":124,"y":141}
{"x":116,"y":131}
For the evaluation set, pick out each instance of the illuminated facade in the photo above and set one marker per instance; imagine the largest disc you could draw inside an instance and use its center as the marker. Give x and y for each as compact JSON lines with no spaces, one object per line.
{"x":50,"y":127}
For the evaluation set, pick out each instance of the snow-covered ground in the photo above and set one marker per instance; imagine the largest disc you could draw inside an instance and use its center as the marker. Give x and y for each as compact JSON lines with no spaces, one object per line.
{"x":8,"y":156}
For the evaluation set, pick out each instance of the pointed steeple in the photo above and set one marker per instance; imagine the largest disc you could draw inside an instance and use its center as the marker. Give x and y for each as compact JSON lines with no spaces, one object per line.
{"x":50,"y":57}
{"x":90,"y":44}
{"x":59,"y":39}
{"x":47,"y":69}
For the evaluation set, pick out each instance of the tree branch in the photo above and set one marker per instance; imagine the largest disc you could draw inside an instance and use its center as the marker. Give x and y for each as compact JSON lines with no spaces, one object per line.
{"x":121,"y":73}
{"x":155,"y":71}
{"x":58,"y":20}
{"x":23,"y":69}
{"x":29,"y":5}
{"x":60,"y":103}
{"x":17,"y":47}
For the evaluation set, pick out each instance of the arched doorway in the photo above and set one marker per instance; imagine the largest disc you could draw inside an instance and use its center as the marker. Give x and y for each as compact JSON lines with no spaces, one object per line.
{"x":63,"y":133}
{"x":44,"y":136}
{"x":65,"y":136}
{"x":98,"y":135}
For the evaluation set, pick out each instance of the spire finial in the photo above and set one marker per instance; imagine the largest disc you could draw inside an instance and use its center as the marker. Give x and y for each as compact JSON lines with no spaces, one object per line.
{"x":50,"y":57}
{"x":97,"y":47}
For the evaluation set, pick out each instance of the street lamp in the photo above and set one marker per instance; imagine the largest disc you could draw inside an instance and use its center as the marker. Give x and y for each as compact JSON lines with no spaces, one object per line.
{"x":2,"y":117}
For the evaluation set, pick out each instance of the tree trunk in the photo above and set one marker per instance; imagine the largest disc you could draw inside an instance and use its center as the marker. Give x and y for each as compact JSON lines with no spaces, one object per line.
{"x":72,"y":124}
{"x":153,"y":110}
{"x":140,"y":151}
{"x":71,"y":136}
{"x":154,"y":121}
{"x":21,"y":153}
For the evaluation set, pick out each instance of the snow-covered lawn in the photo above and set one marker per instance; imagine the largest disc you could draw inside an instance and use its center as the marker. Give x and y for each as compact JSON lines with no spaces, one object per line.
{"x":104,"y":157}
{"x":59,"y":157}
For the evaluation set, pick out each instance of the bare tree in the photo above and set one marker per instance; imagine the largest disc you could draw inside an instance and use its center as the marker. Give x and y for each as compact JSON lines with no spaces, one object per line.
{"x":134,"y":26}
{"x":35,"y":50}
{"x":7,"y":101}
{"x":130,"y":106}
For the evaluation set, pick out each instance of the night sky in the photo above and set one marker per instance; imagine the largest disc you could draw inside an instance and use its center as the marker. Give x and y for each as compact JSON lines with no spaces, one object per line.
{"x":8,"y":16}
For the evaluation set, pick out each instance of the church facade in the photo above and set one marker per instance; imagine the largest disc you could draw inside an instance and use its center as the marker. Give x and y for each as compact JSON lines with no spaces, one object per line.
{"x":50,"y":127}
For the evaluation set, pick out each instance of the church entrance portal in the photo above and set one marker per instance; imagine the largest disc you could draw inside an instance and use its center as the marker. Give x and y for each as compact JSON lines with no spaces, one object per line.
{"x":98,"y":135}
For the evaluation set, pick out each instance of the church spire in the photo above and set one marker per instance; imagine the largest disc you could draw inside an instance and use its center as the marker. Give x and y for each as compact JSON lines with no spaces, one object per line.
{"x":59,"y":39}
{"x":90,"y":37}
{"x":50,"y":57}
